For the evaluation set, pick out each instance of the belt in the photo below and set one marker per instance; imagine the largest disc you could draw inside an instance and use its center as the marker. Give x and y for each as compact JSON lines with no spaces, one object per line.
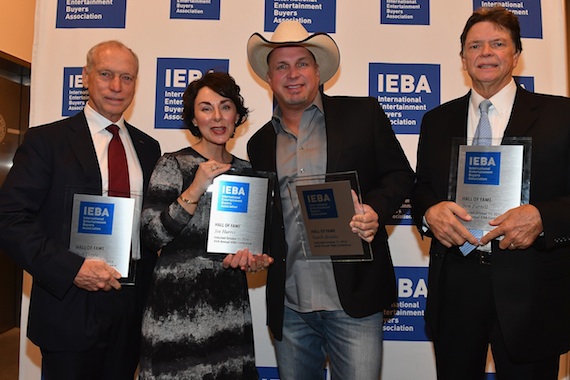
{"x":480,"y":257}
{"x":484,"y":257}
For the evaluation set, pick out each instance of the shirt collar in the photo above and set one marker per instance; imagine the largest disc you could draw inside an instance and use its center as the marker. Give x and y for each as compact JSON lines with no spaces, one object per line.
{"x":502,"y":100}
{"x":98,"y":122}
{"x":277,"y":113}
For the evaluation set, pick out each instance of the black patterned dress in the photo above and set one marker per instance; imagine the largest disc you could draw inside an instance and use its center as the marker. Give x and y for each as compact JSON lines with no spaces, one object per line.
{"x":197,"y":322}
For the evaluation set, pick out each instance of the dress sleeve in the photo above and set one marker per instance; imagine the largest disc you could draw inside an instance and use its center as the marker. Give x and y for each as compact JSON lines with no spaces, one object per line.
{"x":163,"y":218}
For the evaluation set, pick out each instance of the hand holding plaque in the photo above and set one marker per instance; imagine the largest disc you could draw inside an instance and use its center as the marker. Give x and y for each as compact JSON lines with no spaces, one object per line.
{"x":324,"y":207}
{"x":365,"y":222}
{"x":101,"y":227}
{"x":247,"y":261}
{"x":487,"y":181}
{"x":239,"y":212}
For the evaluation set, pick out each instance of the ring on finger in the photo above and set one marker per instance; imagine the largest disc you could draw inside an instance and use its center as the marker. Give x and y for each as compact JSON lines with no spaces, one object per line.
{"x":213,"y":167}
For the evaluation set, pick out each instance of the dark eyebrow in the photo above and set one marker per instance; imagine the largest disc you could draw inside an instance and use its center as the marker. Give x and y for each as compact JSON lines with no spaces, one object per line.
{"x":224,"y":101}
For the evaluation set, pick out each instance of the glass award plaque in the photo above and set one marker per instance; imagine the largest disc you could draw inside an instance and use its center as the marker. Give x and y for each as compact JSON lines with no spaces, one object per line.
{"x":101,"y":227}
{"x":487,"y":181}
{"x":323,"y":210}
{"x":240,"y":211}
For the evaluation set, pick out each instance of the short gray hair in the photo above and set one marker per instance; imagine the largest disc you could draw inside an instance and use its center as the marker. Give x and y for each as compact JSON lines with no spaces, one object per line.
{"x":119,"y":44}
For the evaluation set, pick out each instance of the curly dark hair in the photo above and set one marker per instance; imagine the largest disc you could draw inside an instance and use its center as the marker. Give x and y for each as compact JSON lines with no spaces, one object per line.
{"x":224,"y":85}
{"x":499,"y":16}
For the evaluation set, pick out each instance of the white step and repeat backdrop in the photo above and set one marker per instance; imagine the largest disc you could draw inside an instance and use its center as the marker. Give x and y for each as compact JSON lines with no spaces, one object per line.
{"x":405,"y":53}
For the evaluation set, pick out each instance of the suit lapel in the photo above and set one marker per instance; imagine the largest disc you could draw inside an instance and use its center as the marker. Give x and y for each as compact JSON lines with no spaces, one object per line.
{"x":523,"y":114}
{"x":147,"y":161}
{"x":267,"y":151}
{"x":459,"y":117}
{"x":335,"y":133}
{"x":272,"y":152}
{"x":82,"y":146}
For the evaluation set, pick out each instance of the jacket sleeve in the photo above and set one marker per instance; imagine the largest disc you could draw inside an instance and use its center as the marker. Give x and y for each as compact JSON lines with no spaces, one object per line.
{"x":27,"y":210}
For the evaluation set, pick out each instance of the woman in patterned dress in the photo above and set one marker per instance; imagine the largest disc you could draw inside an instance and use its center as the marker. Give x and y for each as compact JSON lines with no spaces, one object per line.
{"x":197,"y":322}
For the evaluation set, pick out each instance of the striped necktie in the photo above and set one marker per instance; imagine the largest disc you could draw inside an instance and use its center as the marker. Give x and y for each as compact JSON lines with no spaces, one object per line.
{"x":483,"y":134}
{"x":483,"y":137}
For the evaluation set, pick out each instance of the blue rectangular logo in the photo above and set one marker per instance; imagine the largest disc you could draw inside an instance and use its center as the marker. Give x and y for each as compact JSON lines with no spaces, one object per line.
{"x":405,"y":92}
{"x":525,"y":82}
{"x":482,"y":168}
{"x":320,"y":204}
{"x":84,"y":14}
{"x":411,"y":12}
{"x":268,"y":373}
{"x":272,"y":373}
{"x":315,"y":15}
{"x":96,"y":218}
{"x":403,"y":215}
{"x":405,"y":321}
{"x":195,"y":9}
{"x":74,"y":94}
{"x":233,"y":196}
{"x":528,"y":12}
{"x":172,"y":77}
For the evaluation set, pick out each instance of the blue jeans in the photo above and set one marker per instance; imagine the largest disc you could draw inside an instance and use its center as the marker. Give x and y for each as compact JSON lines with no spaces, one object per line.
{"x":354,"y":346}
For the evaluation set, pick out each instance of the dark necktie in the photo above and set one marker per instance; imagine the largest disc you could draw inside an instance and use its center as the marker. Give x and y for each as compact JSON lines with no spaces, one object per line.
{"x":118,"y":167}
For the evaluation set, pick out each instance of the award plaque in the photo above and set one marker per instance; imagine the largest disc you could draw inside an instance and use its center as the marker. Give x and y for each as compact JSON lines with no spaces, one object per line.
{"x":487,"y":181}
{"x":101,"y":227}
{"x":323,"y":210}
{"x":240,"y":211}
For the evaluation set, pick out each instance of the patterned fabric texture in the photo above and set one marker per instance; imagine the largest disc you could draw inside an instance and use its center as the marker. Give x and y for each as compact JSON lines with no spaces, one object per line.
{"x":197,"y":322}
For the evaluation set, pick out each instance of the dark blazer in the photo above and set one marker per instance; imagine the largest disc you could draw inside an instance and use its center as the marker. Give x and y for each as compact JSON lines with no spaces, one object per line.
{"x":359,"y":137}
{"x":32,"y":207}
{"x":530,"y":286}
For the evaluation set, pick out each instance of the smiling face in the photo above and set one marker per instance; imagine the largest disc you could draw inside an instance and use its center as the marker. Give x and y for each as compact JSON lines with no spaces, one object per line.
{"x":294,"y":77}
{"x":215,"y":116}
{"x":111,"y":80}
{"x":489,"y":56}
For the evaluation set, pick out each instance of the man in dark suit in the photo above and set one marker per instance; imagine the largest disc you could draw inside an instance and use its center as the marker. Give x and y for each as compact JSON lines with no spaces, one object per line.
{"x":317,"y":308}
{"x":86,"y":324}
{"x":512,"y":291}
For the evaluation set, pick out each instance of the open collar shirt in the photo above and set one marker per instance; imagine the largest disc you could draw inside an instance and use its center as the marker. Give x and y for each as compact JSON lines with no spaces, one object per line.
{"x":310,"y":284}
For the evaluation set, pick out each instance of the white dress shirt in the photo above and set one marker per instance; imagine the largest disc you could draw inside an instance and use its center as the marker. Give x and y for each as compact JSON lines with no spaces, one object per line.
{"x":101,"y":138}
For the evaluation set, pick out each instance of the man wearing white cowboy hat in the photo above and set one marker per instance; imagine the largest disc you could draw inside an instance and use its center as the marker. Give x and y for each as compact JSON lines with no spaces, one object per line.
{"x":321,"y":307}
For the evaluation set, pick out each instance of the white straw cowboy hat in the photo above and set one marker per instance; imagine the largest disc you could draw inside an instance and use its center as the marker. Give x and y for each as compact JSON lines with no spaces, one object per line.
{"x":292,"y":33}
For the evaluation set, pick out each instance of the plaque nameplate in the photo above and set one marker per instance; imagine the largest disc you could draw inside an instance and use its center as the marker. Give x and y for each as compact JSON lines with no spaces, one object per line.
{"x":487,"y":181}
{"x":323,"y":210}
{"x":239,"y":213}
{"x":101,"y":228}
